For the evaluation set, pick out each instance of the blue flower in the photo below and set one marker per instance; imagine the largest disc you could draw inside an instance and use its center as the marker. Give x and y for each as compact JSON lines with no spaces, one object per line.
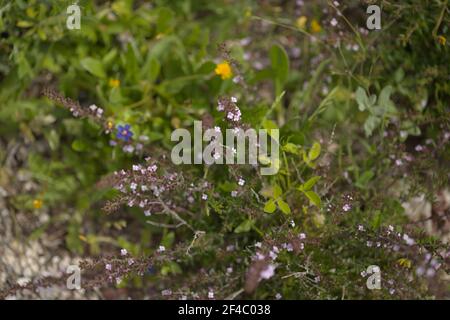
{"x":151,"y":270}
{"x":124,"y":133}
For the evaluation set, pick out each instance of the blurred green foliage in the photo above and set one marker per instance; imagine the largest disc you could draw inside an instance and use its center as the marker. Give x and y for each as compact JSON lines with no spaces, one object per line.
{"x":151,"y":64}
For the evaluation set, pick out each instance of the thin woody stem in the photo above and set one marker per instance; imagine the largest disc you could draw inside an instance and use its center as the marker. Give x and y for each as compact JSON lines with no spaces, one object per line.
{"x":164,"y":225}
{"x":175,"y":215}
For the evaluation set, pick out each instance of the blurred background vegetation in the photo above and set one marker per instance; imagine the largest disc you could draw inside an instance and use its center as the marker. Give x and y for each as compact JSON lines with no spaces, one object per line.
{"x":367,"y":112}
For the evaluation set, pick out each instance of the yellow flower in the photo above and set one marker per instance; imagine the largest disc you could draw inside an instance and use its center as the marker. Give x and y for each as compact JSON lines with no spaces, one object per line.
{"x":109,"y":125}
{"x":315,"y":26}
{"x":224,"y":70}
{"x":37,"y":203}
{"x":31,"y":12}
{"x":301,"y":22}
{"x":114,"y":83}
{"x":175,"y":122}
{"x":405,"y":263}
{"x":442,"y":40}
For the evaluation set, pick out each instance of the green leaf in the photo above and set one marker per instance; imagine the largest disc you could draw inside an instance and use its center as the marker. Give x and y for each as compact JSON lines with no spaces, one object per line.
{"x":94,"y":66}
{"x":206,"y":68}
{"x":314,"y":153}
{"x":244,"y":226}
{"x":290,"y":148}
{"x":314,"y":198}
{"x":376,"y":220}
{"x":280,"y":67}
{"x":73,"y":241}
{"x":79,"y":145}
{"x":328,"y":101}
{"x":364,"y":179}
{"x":151,"y":69}
{"x":228,"y":186}
{"x":275,"y":105}
{"x":269,"y":124}
{"x":261,"y":75}
{"x":168,"y":239}
{"x":270,"y":206}
{"x":130,"y":61}
{"x":385,"y":95}
{"x":371,"y":123}
{"x":362,"y":99}
{"x":277,"y":191}
{"x":411,"y":128}
{"x":165,"y":20}
{"x":171,"y":268}
{"x":109,"y":57}
{"x":24,"y":24}
{"x":399,"y":75}
{"x":284,"y":207}
{"x":384,"y":100}
{"x":280,"y":63}
{"x":53,"y":139}
{"x":309,"y":184}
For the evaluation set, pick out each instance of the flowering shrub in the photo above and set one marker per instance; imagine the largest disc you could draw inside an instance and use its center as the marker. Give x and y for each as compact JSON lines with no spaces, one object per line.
{"x":362,"y":176}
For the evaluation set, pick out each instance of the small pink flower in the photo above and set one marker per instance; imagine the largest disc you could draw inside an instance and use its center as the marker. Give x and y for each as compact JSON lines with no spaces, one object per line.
{"x":268,"y":272}
{"x":346,"y":207}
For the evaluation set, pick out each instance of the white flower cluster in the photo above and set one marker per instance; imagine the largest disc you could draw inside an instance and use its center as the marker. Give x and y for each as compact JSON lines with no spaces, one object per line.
{"x":220,"y":106}
{"x":268,"y":272}
{"x":234,"y":115}
{"x":96,"y":110}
